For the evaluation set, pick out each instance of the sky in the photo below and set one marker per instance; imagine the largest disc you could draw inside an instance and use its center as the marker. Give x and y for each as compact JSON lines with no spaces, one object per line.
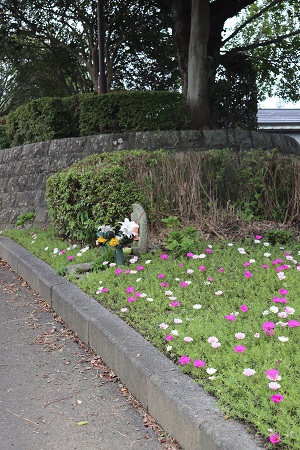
{"x":275,"y":102}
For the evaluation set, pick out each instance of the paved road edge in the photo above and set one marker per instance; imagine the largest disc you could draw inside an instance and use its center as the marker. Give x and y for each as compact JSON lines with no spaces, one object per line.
{"x":180,"y":406}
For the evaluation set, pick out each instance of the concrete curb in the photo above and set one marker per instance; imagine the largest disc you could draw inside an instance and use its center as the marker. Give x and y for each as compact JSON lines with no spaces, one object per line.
{"x":181,"y":407}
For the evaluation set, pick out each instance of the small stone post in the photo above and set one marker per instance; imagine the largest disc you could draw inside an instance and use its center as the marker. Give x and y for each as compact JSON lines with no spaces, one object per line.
{"x":141,"y":245}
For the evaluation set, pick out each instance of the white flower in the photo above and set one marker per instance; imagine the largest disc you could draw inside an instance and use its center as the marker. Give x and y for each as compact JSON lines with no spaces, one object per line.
{"x":283,"y":338}
{"x":202,"y":256}
{"x":207,"y":283}
{"x":289,"y":310}
{"x":282,"y":315}
{"x":216,"y":344}
{"x":133,"y":272}
{"x":219,"y":292}
{"x":266,"y":244}
{"x":74,"y":245}
{"x":46,"y":248}
{"x":134,"y":259}
{"x":240,"y":335}
{"x":105,"y":228}
{"x":123,"y":310}
{"x":197,"y":306}
{"x":85,"y":249}
{"x":175,"y":332}
{"x":274,"y":309}
{"x":230,"y":244}
{"x":148,"y":261}
{"x":267,"y":255}
{"x":168,"y":293}
{"x":281,"y":275}
{"x":177,"y":320}
{"x":188,"y":339}
{"x":138,"y":280}
{"x":248,"y":372}
{"x":79,"y":254}
{"x":127,"y":228}
{"x":143,"y":295}
{"x":172,"y":298}
{"x":163,"y":326}
{"x":211,"y":378}
{"x":256,"y":241}
{"x":212,"y":339}
{"x":251,"y":261}
{"x":273,"y":385}
{"x":169,"y":348}
{"x":120,"y":141}
{"x":241,"y":250}
{"x":211,"y":370}
{"x":112,"y":264}
{"x":256,"y":335}
{"x":149,"y":299}
{"x":55,"y":251}
{"x":265,"y":313}
{"x":190,"y":271}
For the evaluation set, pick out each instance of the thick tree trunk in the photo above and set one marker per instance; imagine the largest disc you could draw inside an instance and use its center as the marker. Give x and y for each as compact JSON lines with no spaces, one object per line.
{"x":198,"y":88}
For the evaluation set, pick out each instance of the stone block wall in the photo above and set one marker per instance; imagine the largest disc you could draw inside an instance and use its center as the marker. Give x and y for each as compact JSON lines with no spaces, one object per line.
{"x":25,"y":169}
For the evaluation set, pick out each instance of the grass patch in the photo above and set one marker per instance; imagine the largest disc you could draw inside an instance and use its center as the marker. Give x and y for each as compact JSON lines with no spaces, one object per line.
{"x":228,"y":308}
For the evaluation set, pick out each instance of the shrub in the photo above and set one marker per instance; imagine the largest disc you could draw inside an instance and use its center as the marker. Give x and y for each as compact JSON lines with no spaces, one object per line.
{"x":4,"y":141}
{"x":43,"y":119}
{"x":131,"y":111}
{"x":97,"y":191}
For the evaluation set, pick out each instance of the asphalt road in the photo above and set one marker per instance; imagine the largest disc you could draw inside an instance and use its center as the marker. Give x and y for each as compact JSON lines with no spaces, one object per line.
{"x":56,"y":394}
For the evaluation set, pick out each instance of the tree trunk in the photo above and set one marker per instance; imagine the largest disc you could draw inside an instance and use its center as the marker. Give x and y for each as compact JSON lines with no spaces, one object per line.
{"x":197,"y":92}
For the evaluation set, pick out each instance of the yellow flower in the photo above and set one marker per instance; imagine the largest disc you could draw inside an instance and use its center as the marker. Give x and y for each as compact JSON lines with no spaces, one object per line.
{"x":113,"y":242}
{"x":101,"y":240}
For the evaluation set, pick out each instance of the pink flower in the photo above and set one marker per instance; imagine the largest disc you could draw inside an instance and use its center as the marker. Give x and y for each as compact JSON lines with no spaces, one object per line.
{"x":160,"y":275}
{"x":208,"y":250}
{"x":283,"y":291}
{"x":246,"y":264}
{"x":164,"y":256}
{"x":199,"y":363}
{"x":264,"y":266}
{"x":129,"y":289}
{"x":244,"y":308}
{"x":268,"y":326}
{"x":216,"y":344}
{"x":104,"y":290}
{"x":131,"y":299}
{"x":272,"y":374}
{"x":279,"y":300}
{"x":274,"y":438}
{"x":180,"y":265}
{"x":118,"y":271}
{"x":184,"y":284}
{"x":137,"y":294}
{"x":239,"y":348}
{"x":248,"y":274}
{"x":174,"y":304}
{"x":231,"y":317}
{"x":248,"y":372}
{"x":220,"y":269}
{"x":240,"y":335}
{"x":258,"y":237}
{"x":169,"y":337}
{"x":70,"y":257}
{"x":274,"y":385}
{"x":62,"y":252}
{"x":277,"y":398}
{"x":184,"y":359}
{"x":293,"y":323}
{"x":202,"y":268}
{"x":139,"y":267}
{"x":190,"y":254}
{"x":163,"y":284}
{"x":210,"y":279}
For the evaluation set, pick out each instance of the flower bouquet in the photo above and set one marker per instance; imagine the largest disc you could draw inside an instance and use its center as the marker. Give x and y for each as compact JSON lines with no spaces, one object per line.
{"x":127,"y":233}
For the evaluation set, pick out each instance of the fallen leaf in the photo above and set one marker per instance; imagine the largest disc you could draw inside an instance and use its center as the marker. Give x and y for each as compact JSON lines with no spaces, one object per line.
{"x":82,"y":423}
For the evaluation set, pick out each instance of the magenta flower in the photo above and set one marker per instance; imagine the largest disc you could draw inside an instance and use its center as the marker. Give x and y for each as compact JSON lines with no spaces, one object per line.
{"x":161,"y":275}
{"x":137,"y":294}
{"x":264,"y":266}
{"x":62,"y":252}
{"x":247,"y":274}
{"x":118,"y":271}
{"x":220,"y":269}
{"x":44,"y":228}
{"x":202,"y":268}
{"x":272,"y":374}
{"x":283,"y":291}
{"x":163,"y":284}
{"x":208,"y":250}
{"x":131,"y":299}
{"x":70,"y":257}
{"x":164,"y":256}
{"x":277,"y":398}
{"x":293,"y":323}
{"x":184,"y":359}
{"x":230,"y":317}
{"x":246,"y":264}
{"x":169,"y":337}
{"x":174,"y":304}
{"x":129,"y":290}
{"x":199,"y":363}
{"x":190,"y":255}
{"x":244,"y":308}
{"x":274,"y":438}
{"x":139,"y":267}
{"x":239,"y":348}
{"x":184,"y":284}
{"x":279,"y":300}
{"x":258,"y":237}
{"x":104,"y":290}
{"x":268,"y":326}
{"x":180,"y":265}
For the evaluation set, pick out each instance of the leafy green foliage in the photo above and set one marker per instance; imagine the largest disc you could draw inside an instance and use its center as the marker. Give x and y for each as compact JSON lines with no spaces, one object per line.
{"x":131,"y":111}
{"x":26,"y":219}
{"x":99,"y":190}
{"x":181,"y":241}
{"x":44,"y":119}
{"x":281,"y":237}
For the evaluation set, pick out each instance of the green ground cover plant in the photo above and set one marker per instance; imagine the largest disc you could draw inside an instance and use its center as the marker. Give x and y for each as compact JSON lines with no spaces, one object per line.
{"x":227,"y":313}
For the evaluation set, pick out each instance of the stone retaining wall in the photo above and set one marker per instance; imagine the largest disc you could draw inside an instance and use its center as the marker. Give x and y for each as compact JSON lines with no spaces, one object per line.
{"x":25,"y":169}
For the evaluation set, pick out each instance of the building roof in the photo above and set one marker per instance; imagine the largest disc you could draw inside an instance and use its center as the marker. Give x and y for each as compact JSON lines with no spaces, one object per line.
{"x":279,"y":119}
